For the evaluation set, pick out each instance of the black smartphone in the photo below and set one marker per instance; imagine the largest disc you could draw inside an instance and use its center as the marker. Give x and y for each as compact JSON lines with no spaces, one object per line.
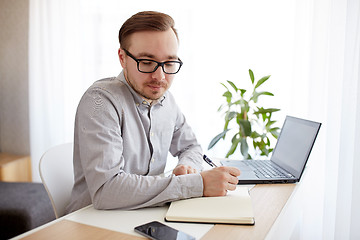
{"x":159,"y":231}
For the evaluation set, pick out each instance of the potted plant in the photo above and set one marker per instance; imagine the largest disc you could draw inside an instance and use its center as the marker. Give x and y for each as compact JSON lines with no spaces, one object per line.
{"x":252,"y":122}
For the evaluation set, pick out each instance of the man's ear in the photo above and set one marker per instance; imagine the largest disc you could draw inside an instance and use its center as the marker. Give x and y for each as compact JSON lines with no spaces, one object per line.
{"x":122,"y":58}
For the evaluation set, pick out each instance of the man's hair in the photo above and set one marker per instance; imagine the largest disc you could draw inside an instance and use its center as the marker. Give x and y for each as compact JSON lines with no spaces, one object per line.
{"x":145,"y":21}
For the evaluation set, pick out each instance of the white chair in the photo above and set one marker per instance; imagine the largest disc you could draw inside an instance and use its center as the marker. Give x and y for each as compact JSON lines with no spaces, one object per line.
{"x":56,"y":173}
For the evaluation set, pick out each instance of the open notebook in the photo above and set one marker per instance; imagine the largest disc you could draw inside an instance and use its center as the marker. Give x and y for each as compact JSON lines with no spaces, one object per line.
{"x":234,"y":208}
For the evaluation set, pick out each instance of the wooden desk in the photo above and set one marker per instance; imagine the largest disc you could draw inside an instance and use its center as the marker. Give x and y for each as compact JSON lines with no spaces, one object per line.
{"x":268,"y":202}
{"x":15,"y":168}
{"x":66,"y":229}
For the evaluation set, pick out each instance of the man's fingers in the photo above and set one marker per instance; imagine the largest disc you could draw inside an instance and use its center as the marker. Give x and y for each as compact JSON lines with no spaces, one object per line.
{"x":233,"y":180}
{"x":183,"y":169}
{"x":232,"y":177}
{"x":232,"y":187}
{"x":233,"y":171}
{"x":219,"y":180}
{"x":191,"y":170}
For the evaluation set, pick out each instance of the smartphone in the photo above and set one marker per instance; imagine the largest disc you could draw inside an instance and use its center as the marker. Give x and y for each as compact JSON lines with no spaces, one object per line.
{"x":158,"y":231}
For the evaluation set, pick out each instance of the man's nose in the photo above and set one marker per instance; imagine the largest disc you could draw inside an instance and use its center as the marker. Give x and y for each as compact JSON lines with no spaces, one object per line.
{"x":159,"y":74}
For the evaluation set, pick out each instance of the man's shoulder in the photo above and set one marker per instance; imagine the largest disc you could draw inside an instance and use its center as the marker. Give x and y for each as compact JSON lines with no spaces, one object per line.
{"x":111,"y":88}
{"x":111,"y":85}
{"x":109,"y":82}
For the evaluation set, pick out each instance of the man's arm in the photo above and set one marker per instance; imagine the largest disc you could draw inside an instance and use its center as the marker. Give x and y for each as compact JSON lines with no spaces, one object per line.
{"x":101,"y":149}
{"x":217,"y":181}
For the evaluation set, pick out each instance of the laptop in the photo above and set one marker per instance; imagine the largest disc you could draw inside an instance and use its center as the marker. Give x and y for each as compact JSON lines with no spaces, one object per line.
{"x":288,"y":160}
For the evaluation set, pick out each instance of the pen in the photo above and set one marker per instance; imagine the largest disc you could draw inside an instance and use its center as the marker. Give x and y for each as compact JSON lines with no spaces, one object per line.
{"x":208,"y":161}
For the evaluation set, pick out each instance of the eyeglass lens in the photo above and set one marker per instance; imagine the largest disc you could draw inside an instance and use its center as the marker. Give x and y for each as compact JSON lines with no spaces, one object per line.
{"x":151,"y":66}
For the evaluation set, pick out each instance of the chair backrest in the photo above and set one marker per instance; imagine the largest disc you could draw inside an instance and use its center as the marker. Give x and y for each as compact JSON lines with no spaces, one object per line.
{"x":56,"y":173}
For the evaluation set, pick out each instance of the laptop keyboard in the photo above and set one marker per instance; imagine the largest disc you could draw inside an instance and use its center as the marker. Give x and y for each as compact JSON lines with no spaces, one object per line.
{"x":266,"y":169}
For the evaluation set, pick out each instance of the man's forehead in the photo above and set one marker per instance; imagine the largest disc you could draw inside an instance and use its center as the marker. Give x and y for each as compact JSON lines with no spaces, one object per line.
{"x":154,"y":44}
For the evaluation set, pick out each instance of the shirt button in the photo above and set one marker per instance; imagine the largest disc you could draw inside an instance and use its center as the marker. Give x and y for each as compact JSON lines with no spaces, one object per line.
{"x":152,"y":160}
{"x":152,"y":134}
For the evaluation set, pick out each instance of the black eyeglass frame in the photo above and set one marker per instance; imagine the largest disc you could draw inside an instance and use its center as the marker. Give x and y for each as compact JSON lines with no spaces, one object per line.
{"x":138,"y":60}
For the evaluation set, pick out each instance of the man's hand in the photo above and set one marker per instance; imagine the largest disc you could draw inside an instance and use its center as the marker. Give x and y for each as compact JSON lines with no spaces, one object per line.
{"x":218,"y":181}
{"x":183,"y":169}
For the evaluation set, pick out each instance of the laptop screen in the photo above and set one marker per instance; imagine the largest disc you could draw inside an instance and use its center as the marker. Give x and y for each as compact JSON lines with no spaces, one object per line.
{"x":294,"y":145}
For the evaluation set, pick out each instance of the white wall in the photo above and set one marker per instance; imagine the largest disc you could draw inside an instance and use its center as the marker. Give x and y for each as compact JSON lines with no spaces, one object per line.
{"x":14,"y":109}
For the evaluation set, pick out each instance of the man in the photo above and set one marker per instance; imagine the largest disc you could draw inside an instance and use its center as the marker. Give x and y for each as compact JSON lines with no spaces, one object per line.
{"x":125,"y":127}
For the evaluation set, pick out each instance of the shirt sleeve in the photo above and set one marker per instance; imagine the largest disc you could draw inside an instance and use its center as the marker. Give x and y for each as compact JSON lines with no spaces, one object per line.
{"x":101,"y":145}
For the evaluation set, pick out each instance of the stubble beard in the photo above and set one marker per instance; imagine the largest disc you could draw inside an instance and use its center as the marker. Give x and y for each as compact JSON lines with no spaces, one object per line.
{"x":142,"y":93}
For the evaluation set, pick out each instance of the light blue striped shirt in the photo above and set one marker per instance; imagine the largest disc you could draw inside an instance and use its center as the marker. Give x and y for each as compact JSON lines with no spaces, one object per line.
{"x":121,"y":143}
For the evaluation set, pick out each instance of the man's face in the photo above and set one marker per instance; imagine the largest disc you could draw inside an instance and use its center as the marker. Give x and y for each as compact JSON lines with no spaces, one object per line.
{"x":158,"y":46}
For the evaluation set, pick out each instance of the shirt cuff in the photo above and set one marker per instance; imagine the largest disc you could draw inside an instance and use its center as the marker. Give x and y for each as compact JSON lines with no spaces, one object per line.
{"x":191,"y":185}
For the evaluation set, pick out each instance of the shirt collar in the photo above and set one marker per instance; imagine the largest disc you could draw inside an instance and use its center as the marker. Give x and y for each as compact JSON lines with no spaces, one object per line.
{"x":139,"y":99}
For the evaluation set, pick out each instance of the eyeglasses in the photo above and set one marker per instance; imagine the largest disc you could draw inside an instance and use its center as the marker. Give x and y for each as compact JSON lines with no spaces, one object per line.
{"x":150,"y":66}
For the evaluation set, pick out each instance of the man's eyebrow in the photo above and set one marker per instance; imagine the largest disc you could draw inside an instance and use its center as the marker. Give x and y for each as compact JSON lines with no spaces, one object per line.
{"x":148,"y":55}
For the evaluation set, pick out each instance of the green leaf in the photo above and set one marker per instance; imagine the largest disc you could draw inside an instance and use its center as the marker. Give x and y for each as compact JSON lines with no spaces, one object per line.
{"x":245,"y":105}
{"x":275,"y":129}
{"x":220,"y":108}
{"x":217,"y":138}
{"x":244,"y":148}
{"x":225,"y":86}
{"x":238,"y":102}
{"x":255,"y":135}
{"x":257,"y":94}
{"x":266,"y":110}
{"x":269,"y":123}
{"x":235,"y":142}
{"x":275,"y":132}
{"x":251,"y":76}
{"x":271,"y":110}
{"x":262,"y":80}
{"x":243,"y":91}
{"x":245,"y":126}
{"x":266,"y":93}
{"x":264,"y":152}
{"x":233,"y":85}
{"x":228,"y":96}
{"x":230,"y":115}
{"x":267,"y":141}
